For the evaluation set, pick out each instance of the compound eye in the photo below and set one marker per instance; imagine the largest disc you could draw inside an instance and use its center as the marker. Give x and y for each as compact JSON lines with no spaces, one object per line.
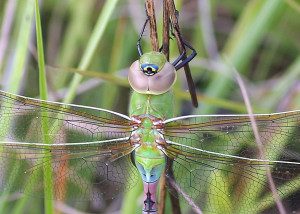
{"x":149,"y":69}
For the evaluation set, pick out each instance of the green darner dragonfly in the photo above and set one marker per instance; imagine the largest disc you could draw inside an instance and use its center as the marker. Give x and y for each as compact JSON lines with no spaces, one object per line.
{"x":97,"y":153}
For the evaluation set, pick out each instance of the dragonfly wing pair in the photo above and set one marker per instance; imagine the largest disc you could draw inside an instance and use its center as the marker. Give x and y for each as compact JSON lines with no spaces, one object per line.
{"x":94,"y":163}
{"x":216,"y":162}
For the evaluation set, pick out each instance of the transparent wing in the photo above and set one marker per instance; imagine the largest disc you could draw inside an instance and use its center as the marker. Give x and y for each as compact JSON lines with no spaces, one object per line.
{"x":217,"y":163}
{"x":21,"y":121}
{"x":88,"y":154}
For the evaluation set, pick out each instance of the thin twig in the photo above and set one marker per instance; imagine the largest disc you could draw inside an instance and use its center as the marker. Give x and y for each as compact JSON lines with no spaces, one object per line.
{"x":152,"y":20}
{"x":260,"y":146}
{"x":163,"y":182}
{"x":174,"y":196}
{"x":166,"y":29}
{"x":162,"y":193}
{"x":187,"y":70}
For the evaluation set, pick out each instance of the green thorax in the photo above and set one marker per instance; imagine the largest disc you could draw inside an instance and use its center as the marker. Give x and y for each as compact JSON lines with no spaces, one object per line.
{"x":160,"y":106}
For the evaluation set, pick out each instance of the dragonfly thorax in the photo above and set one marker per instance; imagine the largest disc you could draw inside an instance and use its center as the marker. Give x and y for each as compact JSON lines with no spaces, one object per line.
{"x":152,"y":74}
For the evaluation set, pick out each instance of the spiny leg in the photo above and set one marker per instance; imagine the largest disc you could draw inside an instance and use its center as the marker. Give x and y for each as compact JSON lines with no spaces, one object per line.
{"x":139,"y":47}
{"x":184,"y":60}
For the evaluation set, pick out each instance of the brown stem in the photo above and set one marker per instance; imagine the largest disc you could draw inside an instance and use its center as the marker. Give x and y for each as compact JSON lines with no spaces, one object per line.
{"x":181,"y":47}
{"x":162,"y":194}
{"x":166,"y":31}
{"x":174,"y":196}
{"x":163,"y":182}
{"x":153,"y":29}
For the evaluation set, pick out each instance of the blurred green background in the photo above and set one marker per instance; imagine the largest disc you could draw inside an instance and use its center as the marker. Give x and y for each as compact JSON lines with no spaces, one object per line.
{"x":259,"y":38}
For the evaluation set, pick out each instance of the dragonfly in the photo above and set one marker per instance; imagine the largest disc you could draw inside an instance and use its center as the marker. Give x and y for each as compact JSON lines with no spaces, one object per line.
{"x":212,"y":161}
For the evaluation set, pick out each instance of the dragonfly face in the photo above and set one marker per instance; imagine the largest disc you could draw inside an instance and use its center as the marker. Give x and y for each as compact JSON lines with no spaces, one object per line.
{"x":152,"y":74}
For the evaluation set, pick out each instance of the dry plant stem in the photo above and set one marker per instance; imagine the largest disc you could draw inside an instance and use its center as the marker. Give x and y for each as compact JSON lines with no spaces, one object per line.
{"x":261,"y":150}
{"x":166,"y":31}
{"x":162,"y":193}
{"x":174,"y":196}
{"x":153,"y":29}
{"x":181,"y":48}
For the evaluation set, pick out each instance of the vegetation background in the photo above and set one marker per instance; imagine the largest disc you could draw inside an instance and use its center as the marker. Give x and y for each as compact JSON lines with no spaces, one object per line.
{"x":259,"y":38}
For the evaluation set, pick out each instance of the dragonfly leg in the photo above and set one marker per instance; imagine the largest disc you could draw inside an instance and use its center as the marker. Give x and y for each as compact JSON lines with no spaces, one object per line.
{"x":184,"y":60}
{"x":139,"y":47}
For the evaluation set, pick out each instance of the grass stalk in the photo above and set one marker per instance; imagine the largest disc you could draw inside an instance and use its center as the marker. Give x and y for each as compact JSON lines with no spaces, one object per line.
{"x":95,"y":38}
{"x":47,"y":169}
{"x":21,"y":49}
{"x":15,"y":77}
{"x":78,"y":28}
{"x":259,"y":17}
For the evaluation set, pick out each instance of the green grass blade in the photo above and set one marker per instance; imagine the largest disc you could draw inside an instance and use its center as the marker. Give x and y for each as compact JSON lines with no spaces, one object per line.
{"x":79,"y":29}
{"x":116,"y":57}
{"x":16,"y":74}
{"x":48,"y":180}
{"x":244,"y":42}
{"x":40,"y":52}
{"x":96,"y":37}
{"x":21,"y":48}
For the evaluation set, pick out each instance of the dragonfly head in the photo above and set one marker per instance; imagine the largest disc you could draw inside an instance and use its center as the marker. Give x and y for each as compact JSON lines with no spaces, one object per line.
{"x":150,"y":168}
{"x":152,"y":74}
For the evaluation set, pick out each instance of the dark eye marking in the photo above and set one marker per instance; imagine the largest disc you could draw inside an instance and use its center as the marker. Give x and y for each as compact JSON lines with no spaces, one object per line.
{"x":149,"y":69}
